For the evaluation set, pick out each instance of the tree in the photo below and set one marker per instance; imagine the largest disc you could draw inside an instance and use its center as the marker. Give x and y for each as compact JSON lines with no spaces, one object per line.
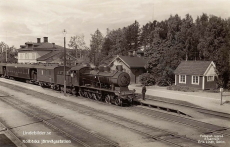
{"x":78,"y":44}
{"x":11,"y":53}
{"x":96,"y":44}
{"x":132,"y":35}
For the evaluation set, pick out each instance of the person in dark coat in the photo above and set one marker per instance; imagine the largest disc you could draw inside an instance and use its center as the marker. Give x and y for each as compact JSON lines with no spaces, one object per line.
{"x":143,"y":92}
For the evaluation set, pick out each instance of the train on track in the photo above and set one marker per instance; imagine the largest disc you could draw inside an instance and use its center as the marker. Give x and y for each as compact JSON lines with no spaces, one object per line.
{"x":101,"y":83}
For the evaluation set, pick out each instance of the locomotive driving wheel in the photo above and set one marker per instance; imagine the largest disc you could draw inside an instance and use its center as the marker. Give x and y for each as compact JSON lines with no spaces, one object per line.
{"x":52,"y":87}
{"x":108,"y":99}
{"x":118,"y":102}
{"x":85,"y":94}
{"x":94,"y":96}
{"x":81,"y":93}
{"x":73,"y":91}
{"x":98,"y":97}
{"x":89,"y":95}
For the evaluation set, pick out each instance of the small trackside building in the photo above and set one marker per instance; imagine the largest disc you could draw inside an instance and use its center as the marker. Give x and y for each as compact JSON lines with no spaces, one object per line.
{"x":133,"y":65}
{"x":197,"y":74}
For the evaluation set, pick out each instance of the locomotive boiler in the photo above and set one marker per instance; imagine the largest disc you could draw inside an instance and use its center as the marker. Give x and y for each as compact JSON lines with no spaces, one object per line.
{"x":106,"y":78}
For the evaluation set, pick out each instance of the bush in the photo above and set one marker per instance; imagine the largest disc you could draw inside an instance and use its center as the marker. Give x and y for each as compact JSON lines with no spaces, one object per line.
{"x":228,"y":85}
{"x":182,"y":88}
{"x":164,"y":81}
{"x":147,"y":79}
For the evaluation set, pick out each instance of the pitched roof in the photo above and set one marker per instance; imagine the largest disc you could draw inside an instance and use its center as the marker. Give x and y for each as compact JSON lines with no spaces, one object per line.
{"x":41,"y":46}
{"x":192,"y":67}
{"x":49,"y":55}
{"x":52,"y":54}
{"x":133,"y":61}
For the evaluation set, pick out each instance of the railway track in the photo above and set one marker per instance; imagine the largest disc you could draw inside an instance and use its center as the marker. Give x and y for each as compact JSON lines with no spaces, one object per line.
{"x":203,"y":127}
{"x":143,"y":129}
{"x":80,"y":135}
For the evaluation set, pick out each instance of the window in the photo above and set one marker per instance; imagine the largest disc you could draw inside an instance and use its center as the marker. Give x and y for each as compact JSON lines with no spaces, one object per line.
{"x":182,"y":79}
{"x":33,"y":56}
{"x":60,"y":72}
{"x":27,"y":56}
{"x":42,"y":72}
{"x":210,"y":78}
{"x":195,"y":80}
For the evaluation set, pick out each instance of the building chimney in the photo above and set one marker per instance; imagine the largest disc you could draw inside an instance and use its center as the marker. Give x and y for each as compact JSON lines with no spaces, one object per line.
{"x":53,"y":45}
{"x":29,"y":44}
{"x":45,"y":39}
{"x":22,"y":46}
{"x":38,"y":40}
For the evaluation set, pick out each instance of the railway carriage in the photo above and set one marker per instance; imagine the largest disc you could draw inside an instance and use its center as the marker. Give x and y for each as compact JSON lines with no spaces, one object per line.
{"x":52,"y":76}
{"x":21,"y":71}
{"x":46,"y":75}
{"x":2,"y":69}
{"x":59,"y":79}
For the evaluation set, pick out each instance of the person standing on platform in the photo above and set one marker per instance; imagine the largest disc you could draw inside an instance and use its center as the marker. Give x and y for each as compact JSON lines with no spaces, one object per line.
{"x":143,"y":92}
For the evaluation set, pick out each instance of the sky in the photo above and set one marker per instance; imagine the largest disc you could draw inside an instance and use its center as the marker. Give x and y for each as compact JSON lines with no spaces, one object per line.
{"x":27,"y":20}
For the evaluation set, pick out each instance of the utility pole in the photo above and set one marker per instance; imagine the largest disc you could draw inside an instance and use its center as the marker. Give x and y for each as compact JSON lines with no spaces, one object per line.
{"x":6,"y":47}
{"x":64,"y":32}
{"x":6,"y":54}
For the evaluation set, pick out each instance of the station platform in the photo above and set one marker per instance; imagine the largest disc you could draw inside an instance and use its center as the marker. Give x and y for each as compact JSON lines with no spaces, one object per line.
{"x":207,"y":100}
{"x":181,"y":110}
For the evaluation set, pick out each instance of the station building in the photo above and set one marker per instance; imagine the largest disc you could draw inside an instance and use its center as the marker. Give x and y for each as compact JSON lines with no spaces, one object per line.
{"x":43,"y":52}
{"x":196,"y":74}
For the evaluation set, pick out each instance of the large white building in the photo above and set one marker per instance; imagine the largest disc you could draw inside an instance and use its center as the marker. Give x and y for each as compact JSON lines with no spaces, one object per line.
{"x":40,"y":52}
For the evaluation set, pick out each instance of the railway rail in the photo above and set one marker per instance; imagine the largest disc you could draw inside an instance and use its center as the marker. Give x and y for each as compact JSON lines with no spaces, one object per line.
{"x":148,"y":131}
{"x":80,"y":135}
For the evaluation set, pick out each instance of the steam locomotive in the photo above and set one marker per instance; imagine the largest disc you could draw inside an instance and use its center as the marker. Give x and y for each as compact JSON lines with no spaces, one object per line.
{"x":101,"y":83}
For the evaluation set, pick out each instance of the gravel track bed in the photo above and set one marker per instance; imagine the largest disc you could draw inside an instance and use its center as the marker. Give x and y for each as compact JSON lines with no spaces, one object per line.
{"x":80,"y":135}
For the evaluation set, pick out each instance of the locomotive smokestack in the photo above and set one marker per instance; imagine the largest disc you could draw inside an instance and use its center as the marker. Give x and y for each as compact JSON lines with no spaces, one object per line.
{"x":119,"y":67}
